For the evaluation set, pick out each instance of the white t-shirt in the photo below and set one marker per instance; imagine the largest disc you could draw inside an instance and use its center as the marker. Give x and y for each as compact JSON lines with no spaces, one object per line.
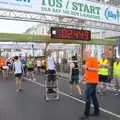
{"x":50,"y":63}
{"x":17,"y":66}
{"x":38,"y":63}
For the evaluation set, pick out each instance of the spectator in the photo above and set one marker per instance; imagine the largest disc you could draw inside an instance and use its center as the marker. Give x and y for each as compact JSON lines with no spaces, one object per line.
{"x":91,"y":78}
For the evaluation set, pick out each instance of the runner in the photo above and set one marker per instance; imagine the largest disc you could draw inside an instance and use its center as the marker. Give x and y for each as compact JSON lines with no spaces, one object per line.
{"x":9,"y":64}
{"x":30,"y":68}
{"x":17,"y":66}
{"x":5,"y":69}
{"x":116,"y":76}
{"x":23,"y":61}
{"x":74,"y":76}
{"x":38,"y":65}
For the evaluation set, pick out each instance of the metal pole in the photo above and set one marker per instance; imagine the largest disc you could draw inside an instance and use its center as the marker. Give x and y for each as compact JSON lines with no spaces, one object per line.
{"x":33,"y":50}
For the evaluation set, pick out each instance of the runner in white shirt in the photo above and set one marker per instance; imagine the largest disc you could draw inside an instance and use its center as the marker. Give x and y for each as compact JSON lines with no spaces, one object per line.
{"x":17,"y":66}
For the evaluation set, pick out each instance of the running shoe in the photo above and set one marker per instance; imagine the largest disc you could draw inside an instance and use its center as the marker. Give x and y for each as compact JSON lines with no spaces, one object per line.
{"x":116,"y":94}
{"x":17,"y":90}
{"x":84,"y":117}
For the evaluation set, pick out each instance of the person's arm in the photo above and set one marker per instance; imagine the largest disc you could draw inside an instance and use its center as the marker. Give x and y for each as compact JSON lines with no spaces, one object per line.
{"x":93,"y":69}
{"x":13,"y":66}
{"x":22,"y":67}
{"x":45,"y":50}
{"x":83,"y":78}
{"x":104,"y":66}
{"x":90,"y":69}
{"x":71,"y":66}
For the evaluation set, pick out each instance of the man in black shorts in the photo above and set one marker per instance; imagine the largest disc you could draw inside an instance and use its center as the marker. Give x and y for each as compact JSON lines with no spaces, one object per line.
{"x":51,"y":71}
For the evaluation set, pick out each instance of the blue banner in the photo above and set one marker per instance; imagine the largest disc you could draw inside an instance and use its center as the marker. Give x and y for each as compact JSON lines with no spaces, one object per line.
{"x":118,"y":45}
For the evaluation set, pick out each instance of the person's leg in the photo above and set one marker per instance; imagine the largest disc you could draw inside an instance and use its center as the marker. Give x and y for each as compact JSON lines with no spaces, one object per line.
{"x":28,"y":73}
{"x":33,"y":74}
{"x":104,"y":86}
{"x":20,"y":83}
{"x":3,"y":74}
{"x":77,"y":87}
{"x":17,"y":83}
{"x":7,"y":74}
{"x":119,"y":83}
{"x":95,"y":101}
{"x":100,"y":86}
{"x":114,"y":83}
{"x":79,"y":90}
{"x":72,"y":82}
{"x":53,"y":81}
{"x":49,"y":81}
{"x":88,"y":91}
{"x":73,"y":87}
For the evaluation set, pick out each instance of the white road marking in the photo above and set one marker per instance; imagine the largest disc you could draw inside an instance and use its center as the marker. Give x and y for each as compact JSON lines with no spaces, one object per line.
{"x":81,"y":101}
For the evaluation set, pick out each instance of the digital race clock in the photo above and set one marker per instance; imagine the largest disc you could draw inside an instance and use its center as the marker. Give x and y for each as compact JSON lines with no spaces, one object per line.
{"x":70,"y":34}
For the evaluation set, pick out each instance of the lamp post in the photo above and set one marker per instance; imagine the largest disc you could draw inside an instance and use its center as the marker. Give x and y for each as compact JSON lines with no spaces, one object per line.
{"x":33,"y":50}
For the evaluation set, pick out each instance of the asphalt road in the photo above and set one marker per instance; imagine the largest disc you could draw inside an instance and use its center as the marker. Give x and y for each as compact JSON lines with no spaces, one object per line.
{"x":30,"y":104}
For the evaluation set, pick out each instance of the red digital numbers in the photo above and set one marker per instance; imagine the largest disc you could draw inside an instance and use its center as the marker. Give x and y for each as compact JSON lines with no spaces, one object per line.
{"x":64,"y":33}
{"x":85,"y":35}
{"x":70,"y":34}
{"x":76,"y":34}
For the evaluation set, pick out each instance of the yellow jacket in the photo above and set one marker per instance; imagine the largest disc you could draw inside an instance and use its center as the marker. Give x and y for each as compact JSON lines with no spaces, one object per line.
{"x":102,"y":70}
{"x":116,"y":69}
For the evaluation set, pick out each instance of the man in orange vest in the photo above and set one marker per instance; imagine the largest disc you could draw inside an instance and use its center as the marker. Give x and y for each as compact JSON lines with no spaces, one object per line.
{"x":90,"y":76}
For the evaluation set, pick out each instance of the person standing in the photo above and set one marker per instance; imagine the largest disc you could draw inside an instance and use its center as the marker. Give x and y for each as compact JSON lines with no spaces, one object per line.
{"x":116,"y":76}
{"x":17,"y":67}
{"x":90,"y":76}
{"x":103,"y":74}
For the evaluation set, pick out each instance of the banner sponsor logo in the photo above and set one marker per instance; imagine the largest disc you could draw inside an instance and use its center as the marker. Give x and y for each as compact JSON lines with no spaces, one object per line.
{"x":112,"y":14}
{"x":118,"y":15}
{"x":17,"y":3}
{"x":118,"y":45}
{"x":26,"y":1}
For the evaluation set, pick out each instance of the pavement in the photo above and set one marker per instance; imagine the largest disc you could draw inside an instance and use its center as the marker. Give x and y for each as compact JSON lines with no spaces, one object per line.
{"x":30,"y":104}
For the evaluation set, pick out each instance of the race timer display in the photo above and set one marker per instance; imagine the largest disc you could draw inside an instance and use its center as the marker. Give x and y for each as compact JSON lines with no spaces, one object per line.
{"x":70,"y":34}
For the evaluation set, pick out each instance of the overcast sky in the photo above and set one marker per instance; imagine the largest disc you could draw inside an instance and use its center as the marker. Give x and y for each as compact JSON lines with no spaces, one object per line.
{"x":11,"y":26}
